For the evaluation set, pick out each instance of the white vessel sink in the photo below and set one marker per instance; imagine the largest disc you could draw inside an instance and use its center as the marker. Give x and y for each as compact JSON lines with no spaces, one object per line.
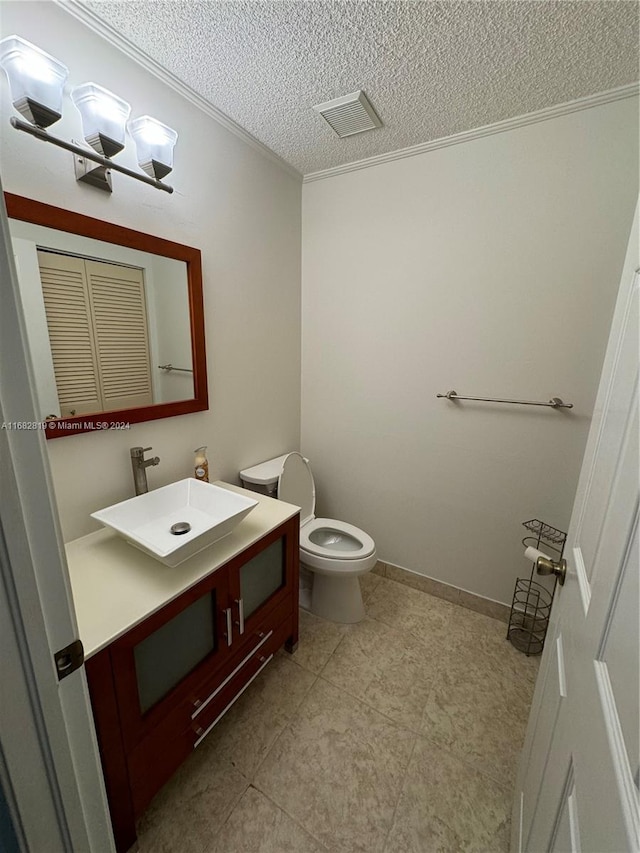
{"x":147,"y":520}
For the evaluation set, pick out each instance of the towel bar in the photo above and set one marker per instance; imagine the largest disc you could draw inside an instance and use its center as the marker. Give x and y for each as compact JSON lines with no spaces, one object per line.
{"x":554,"y":402}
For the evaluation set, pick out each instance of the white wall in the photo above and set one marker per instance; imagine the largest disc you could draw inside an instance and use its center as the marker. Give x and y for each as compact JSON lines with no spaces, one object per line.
{"x":491,"y":268}
{"x":239,"y":208}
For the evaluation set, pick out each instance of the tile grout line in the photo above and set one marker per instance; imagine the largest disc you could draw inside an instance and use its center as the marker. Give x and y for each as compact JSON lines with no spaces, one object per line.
{"x":405,"y":631}
{"x":394,"y":723}
{"x":255,"y":784}
{"x":225,"y":820}
{"x":439,"y":666}
{"x":284,"y":728}
{"x":399,"y":631}
{"x":401,"y":726}
{"x":370,"y":707}
{"x":290,"y":816}
{"x":468,"y":763}
{"x":447,"y":749}
{"x":251,"y":780}
{"x":396,"y":630}
{"x":401,"y":792}
{"x":326,"y":663}
{"x":140,"y":841}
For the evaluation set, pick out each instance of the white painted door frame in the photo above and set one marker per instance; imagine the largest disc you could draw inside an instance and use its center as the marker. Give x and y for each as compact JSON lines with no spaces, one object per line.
{"x":49,"y":763}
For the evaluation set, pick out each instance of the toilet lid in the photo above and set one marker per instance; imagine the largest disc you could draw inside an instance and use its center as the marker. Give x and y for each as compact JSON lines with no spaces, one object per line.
{"x":296,"y":486}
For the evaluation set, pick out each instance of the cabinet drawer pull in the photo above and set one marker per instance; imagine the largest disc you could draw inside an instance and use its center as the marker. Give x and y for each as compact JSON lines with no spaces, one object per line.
{"x":198,"y":730}
{"x":240,"y":622}
{"x":198,"y":705}
{"x":229,"y":633}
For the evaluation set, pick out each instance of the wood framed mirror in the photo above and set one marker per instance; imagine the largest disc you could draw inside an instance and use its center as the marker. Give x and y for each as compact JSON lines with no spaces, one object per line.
{"x":115,"y":320}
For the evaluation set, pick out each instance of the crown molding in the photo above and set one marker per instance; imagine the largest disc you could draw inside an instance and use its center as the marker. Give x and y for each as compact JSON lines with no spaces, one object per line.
{"x":629,"y":91}
{"x":105,"y":31}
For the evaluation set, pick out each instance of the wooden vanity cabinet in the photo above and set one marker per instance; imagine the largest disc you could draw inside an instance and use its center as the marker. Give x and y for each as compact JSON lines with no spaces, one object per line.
{"x":158,"y":690}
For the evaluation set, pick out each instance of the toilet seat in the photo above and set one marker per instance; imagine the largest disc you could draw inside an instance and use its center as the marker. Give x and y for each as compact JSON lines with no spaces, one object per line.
{"x":350,"y":543}
{"x":324,"y":542}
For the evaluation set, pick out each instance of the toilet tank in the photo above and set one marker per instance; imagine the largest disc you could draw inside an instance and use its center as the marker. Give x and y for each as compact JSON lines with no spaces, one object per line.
{"x":263,"y":478}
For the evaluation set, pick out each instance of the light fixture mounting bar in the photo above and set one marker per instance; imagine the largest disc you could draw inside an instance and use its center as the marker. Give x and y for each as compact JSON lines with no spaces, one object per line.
{"x":41,"y":134}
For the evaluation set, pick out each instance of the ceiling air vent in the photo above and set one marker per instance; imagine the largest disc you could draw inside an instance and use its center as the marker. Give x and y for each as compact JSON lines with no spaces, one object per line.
{"x":349,"y":114}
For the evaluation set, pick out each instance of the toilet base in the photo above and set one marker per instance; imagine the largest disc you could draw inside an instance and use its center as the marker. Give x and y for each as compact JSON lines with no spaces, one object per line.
{"x":337,"y":598}
{"x":305,"y":598}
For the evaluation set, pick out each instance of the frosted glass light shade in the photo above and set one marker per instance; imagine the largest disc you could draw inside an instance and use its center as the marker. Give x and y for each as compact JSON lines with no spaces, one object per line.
{"x":104,"y":117}
{"x":36,"y":80}
{"x":154,"y":145}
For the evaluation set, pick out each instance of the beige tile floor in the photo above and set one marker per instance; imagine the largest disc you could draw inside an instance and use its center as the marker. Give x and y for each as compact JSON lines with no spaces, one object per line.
{"x":397,"y":735}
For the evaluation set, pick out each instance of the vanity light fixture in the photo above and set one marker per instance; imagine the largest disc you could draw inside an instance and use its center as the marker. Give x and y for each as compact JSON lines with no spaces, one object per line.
{"x":37,"y":81}
{"x":103,"y":126}
{"x":104,"y":116}
{"x":154,"y":144}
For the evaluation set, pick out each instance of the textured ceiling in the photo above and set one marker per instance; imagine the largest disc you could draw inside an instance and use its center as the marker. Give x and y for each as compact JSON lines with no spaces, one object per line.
{"x":431,"y":69}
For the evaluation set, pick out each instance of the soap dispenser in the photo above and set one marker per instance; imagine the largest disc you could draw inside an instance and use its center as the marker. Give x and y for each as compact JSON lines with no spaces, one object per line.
{"x":201,"y":464}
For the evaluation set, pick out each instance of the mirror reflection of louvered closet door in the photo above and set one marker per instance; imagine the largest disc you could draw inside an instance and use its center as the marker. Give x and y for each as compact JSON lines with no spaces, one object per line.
{"x":97,"y":320}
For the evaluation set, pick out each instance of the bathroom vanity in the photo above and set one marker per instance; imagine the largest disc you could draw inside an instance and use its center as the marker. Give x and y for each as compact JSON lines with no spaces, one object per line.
{"x":169,"y":650}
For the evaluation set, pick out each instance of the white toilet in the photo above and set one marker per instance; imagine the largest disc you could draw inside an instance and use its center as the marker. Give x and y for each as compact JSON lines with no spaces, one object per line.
{"x":332,"y":553}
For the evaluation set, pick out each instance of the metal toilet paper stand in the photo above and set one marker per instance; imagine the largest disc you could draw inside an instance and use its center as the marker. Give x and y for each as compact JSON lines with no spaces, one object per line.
{"x":531,"y":605}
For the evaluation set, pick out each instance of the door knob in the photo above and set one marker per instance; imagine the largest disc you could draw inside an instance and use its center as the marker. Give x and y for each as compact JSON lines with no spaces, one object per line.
{"x":551,"y":567}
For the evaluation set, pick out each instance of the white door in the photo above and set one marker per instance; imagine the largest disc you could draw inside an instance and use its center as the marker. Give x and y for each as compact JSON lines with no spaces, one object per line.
{"x":51,"y":785}
{"x":577,"y":788}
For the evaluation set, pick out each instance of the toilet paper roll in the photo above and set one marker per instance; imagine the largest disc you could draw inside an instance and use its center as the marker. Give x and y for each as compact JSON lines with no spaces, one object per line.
{"x":533,"y":554}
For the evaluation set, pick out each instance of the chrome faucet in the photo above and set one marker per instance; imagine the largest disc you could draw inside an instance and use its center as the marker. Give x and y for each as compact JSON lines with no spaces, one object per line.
{"x":140,"y":465}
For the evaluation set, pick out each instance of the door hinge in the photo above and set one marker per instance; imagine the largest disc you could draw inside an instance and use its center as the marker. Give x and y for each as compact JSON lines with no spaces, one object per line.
{"x":69,"y":659}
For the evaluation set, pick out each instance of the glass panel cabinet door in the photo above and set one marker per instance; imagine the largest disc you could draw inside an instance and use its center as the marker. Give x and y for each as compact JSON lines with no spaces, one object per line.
{"x":171,"y":652}
{"x":158,"y":664}
{"x":263,"y":579}
{"x":262,"y":576}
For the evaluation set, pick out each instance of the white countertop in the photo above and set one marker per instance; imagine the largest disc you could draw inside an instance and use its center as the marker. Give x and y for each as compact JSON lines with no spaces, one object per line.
{"x":115,"y":586}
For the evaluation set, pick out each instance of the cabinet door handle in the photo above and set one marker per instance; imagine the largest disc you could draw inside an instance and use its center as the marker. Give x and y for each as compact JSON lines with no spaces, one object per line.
{"x":229,"y":634}
{"x":240,"y":622}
